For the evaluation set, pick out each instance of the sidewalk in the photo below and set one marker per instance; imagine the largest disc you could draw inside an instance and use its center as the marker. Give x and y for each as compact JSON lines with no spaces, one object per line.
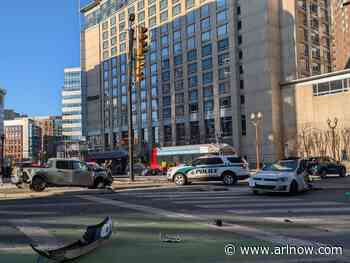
{"x":10,"y":191}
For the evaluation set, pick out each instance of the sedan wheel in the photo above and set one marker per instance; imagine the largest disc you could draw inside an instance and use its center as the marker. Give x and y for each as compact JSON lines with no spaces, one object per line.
{"x":293,"y":187}
{"x":180,"y":179}
{"x":342,"y":172}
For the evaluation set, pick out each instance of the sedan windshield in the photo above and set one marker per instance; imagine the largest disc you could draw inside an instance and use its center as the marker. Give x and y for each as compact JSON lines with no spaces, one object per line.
{"x":282,"y":166}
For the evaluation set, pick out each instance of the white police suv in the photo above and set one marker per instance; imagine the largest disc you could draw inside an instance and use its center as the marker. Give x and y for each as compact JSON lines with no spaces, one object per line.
{"x":208,"y":168}
{"x":288,"y":175}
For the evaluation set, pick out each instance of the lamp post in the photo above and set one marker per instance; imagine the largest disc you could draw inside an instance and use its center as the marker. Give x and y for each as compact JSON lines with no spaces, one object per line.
{"x":333,"y":125}
{"x":256,"y":119}
{"x":2,"y":153}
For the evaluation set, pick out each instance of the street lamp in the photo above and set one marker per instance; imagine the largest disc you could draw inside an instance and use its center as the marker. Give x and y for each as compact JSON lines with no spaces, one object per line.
{"x":256,"y":119}
{"x":2,"y":153}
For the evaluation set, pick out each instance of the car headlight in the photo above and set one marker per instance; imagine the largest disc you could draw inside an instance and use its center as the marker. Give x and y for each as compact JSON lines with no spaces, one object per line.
{"x":282,"y":179}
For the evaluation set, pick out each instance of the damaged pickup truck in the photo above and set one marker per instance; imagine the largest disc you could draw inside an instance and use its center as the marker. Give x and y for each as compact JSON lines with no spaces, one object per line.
{"x":66,"y":172}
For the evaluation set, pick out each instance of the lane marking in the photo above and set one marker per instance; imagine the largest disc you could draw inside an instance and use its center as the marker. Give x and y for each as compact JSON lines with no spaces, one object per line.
{"x":248,"y":231}
{"x":233,"y":198}
{"x":141,"y":208}
{"x":266,"y":206}
{"x":289,"y":210}
{"x":241,"y":201}
{"x":37,"y":234}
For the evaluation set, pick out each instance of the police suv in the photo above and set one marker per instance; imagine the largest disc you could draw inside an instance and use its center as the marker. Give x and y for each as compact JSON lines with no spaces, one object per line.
{"x":208,"y":168}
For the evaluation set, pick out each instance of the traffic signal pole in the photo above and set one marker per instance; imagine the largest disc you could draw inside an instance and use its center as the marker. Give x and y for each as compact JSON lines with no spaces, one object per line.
{"x":130,"y":77}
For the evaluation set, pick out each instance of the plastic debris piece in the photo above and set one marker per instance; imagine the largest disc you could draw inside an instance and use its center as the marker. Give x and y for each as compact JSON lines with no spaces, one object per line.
{"x":288,"y":221}
{"x":170,"y":238}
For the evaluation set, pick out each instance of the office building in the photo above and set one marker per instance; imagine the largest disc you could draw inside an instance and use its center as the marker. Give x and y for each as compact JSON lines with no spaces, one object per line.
{"x":22,"y":140}
{"x":311,"y":106}
{"x":210,"y":65}
{"x":341,"y":34}
{"x":51,"y":135}
{"x":72,"y":111}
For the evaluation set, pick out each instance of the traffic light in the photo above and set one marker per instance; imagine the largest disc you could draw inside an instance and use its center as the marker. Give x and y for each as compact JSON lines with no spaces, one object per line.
{"x":141,"y":50}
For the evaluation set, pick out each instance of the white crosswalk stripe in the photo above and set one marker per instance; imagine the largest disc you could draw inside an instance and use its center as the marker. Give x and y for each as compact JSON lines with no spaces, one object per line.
{"x":266,"y":206}
{"x":310,"y":210}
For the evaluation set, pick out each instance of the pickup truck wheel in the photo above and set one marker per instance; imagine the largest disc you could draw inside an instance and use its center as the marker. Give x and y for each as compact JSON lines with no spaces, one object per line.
{"x":229,"y":178}
{"x":38,"y":184}
{"x":99,"y":183}
{"x":180,"y":179}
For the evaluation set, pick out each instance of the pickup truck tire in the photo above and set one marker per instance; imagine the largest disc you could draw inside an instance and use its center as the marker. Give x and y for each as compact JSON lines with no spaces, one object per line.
{"x":99,"y":183}
{"x":38,"y":184}
{"x":229,"y":178}
{"x":180,"y":179}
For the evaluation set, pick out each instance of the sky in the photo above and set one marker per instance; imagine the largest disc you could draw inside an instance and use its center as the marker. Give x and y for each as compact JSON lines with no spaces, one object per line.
{"x":38,"y":39}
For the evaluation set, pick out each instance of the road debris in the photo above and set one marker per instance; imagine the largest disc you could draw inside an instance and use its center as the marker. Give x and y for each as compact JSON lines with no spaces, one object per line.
{"x":167,"y":238}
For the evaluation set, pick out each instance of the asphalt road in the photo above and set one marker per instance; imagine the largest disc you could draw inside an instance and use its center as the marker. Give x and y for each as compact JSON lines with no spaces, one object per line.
{"x":316,"y":218}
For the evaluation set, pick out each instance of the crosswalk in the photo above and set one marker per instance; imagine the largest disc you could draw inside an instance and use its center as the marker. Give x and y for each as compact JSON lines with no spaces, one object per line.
{"x":241,"y":201}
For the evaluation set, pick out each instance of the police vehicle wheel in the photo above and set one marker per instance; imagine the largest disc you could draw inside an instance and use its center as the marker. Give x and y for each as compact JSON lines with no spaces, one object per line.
{"x":293,"y":187}
{"x":256,"y":192}
{"x":323,"y":173}
{"x":180,"y":179}
{"x":229,"y":178}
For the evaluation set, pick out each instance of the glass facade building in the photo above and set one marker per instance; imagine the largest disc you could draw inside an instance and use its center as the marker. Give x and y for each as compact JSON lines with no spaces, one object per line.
{"x":210,"y":64}
{"x":72,"y":128}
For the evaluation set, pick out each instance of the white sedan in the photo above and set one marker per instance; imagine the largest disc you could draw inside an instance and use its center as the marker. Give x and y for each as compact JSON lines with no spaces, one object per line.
{"x":289,"y":175}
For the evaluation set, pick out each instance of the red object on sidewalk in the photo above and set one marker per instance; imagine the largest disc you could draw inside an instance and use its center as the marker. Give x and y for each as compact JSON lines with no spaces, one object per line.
{"x":154,"y":160}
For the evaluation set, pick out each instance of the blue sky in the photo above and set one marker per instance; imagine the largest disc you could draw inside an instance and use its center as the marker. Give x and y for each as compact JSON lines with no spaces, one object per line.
{"x":37,"y":40}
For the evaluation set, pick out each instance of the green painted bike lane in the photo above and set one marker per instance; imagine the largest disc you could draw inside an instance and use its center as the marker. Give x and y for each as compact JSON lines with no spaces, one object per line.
{"x":136,"y":238}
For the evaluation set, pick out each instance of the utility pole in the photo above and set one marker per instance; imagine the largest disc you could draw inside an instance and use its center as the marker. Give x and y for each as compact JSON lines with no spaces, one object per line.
{"x":256,"y":119}
{"x":130,"y":77}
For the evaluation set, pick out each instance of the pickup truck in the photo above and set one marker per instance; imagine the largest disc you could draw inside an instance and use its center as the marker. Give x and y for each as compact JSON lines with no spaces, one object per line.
{"x":67,"y":172}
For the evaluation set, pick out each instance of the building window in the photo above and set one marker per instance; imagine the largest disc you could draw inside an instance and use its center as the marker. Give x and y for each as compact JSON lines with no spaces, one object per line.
{"x":223,"y":45}
{"x":208,"y":106}
{"x":206,"y":36}
{"x":193,"y":107}
{"x":224,"y":87}
{"x":192,"y":55}
{"x":206,"y":50}
{"x":163,"y":4}
{"x":193,"y":95}
{"x":226,"y":126}
{"x":225,"y":102}
{"x":191,"y":30}
{"x":191,"y":17}
{"x":208,"y":92}
{"x":207,"y":78}
{"x":189,"y":4}
{"x":205,"y":11}
{"x":207,"y":64}
{"x":180,"y":133}
{"x":221,"y":17}
{"x":222,"y":31}
{"x":191,"y":43}
{"x":210,"y":129}
{"x":205,"y":24}
{"x":244,"y":125}
{"x":164,"y":16}
{"x":192,"y":82}
{"x":167,"y":133}
{"x":176,"y":10}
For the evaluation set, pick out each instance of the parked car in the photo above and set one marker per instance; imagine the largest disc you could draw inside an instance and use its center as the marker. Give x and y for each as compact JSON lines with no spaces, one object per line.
{"x":209,"y":168}
{"x":322,"y":166}
{"x":139,"y":169}
{"x":287,"y":175}
{"x":67,"y":172}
